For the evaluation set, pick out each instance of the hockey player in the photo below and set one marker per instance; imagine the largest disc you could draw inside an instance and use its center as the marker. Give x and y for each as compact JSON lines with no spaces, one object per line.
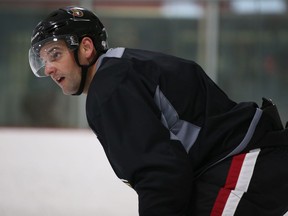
{"x":168,"y":131}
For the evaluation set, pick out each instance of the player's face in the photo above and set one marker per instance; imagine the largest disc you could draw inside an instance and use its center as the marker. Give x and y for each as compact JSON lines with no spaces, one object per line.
{"x":61,"y":66}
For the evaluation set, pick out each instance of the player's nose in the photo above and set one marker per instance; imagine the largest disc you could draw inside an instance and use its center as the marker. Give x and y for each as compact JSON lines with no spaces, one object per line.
{"x":49,"y":69}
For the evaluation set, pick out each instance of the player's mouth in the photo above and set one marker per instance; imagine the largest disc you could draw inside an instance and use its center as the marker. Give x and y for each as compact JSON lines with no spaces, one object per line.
{"x":59,"y":80}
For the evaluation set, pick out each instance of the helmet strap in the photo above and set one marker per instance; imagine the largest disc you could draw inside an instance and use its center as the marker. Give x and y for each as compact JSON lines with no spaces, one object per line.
{"x":84,"y":72}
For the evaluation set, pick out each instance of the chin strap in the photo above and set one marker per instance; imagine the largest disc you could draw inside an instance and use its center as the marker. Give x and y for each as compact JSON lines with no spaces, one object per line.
{"x":84,"y":71}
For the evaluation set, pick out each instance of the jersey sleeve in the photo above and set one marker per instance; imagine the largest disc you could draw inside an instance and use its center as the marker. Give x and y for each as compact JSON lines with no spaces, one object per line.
{"x":140,"y":150}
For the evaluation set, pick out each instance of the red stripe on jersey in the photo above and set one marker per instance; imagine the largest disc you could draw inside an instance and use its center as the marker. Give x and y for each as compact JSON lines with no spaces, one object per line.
{"x":234,"y":171}
{"x":220,"y":202}
{"x":230,"y":184}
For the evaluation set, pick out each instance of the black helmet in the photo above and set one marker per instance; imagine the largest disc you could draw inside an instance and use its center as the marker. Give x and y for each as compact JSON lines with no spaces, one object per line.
{"x":70,"y":24}
{"x":74,"y":21}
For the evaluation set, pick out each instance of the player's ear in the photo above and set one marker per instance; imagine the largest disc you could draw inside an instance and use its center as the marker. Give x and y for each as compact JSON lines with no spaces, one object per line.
{"x":86,"y":51}
{"x":86,"y":47}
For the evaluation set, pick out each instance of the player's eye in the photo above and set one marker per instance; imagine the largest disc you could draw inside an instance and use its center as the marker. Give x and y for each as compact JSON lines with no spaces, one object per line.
{"x":54,"y":55}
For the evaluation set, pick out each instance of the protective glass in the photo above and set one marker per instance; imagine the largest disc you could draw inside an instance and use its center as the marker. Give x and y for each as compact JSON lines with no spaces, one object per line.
{"x":39,"y":57}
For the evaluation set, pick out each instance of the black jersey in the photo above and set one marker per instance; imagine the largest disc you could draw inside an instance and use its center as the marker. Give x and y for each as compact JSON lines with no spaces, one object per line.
{"x":162,"y":122}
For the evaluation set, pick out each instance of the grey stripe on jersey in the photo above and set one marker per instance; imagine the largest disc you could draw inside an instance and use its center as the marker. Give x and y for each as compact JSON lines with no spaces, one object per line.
{"x":113,"y":52}
{"x":249,"y":133}
{"x":246,"y":139}
{"x":181,"y":130}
